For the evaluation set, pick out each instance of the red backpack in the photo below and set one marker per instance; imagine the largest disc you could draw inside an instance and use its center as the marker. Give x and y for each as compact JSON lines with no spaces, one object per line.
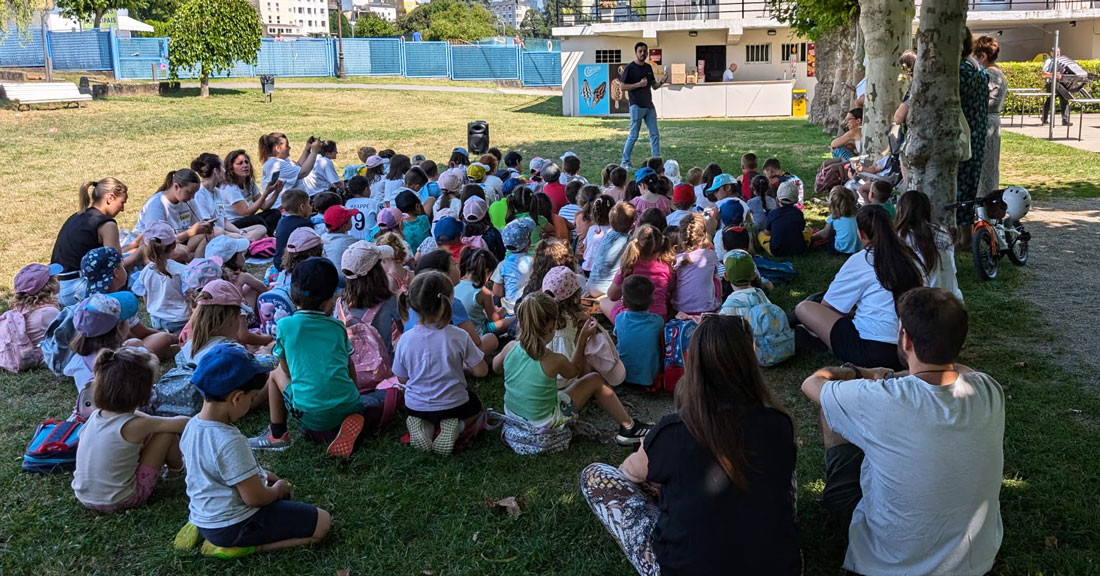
{"x":372,"y":362}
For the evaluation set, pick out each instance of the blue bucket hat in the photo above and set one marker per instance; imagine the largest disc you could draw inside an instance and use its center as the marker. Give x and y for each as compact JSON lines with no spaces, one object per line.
{"x":227,"y":367}
{"x":97,"y":268}
{"x":720,"y":181}
{"x":517,"y":234}
{"x":731,"y":213}
{"x":643,"y":173}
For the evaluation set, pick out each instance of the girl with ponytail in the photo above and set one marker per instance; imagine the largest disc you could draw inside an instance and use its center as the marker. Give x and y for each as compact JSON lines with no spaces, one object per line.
{"x":648,"y":254}
{"x":274,"y":151}
{"x":597,"y":216}
{"x":858,"y":319}
{"x":93,"y":226}
{"x":175,"y":204}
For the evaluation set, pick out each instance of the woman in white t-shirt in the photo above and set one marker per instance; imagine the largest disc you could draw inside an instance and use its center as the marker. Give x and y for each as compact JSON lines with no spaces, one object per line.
{"x":174,"y":203}
{"x":275,"y":155}
{"x":858,"y":319}
{"x":930,"y":241}
{"x":242,"y":197}
{"x":211,"y":207}
{"x":323,"y":176}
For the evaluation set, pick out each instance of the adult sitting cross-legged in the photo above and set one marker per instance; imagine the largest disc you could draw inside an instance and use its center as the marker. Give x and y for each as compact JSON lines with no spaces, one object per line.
{"x":913,"y":460}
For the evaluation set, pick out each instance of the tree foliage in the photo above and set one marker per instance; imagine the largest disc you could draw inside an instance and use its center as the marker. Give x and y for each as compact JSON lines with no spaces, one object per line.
{"x":158,"y":10}
{"x":812,"y":18}
{"x":20,"y":13}
{"x":449,"y":20}
{"x":94,"y":9}
{"x":534,"y":25}
{"x":374,"y":26}
{"x":334,"y":29}
{"x":212,"y":35}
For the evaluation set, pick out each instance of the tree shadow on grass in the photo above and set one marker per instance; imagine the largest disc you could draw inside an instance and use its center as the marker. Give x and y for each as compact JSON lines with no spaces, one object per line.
{"x":1053,"y":189}
{"x":194,"y":92}
{"x":545,"y":106}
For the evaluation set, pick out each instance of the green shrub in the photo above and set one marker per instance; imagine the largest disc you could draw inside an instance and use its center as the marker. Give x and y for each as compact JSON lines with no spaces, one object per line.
{"x":1029,"y":75}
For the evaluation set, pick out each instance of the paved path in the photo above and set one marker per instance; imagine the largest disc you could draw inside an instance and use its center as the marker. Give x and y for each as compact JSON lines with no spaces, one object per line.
{"x":406,"y":87}
{"x":1090,"y":133}
{"x":1063,"y":277}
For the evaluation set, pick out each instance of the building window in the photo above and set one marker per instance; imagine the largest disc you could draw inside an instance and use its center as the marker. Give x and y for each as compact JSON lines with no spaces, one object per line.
{"x":758,"y":53}
{"x":796,"y":48}
{"x":609,"y":56}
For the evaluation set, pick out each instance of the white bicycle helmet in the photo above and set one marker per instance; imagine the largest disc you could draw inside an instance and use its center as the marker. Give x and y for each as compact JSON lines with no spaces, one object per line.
{"x":1018,"y":201}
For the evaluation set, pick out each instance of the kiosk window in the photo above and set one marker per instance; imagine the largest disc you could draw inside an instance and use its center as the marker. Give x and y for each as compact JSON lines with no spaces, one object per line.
{"x":796,"y":48}
{"x":758,"y":53}
{"x":609,"y":56}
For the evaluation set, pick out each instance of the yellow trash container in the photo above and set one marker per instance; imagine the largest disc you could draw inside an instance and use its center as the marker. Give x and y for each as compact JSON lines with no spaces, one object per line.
{"x":798,"y":103}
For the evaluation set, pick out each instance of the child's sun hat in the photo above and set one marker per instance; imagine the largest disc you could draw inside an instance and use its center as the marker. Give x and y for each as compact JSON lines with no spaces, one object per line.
{"x":302,"y":239}
{"x":159,"y":232}
{"x":448,"y":229}
{"x":200,"y":272}
{"x":561,"y":283}
{"x":517,"y":234}
{"x":33,"y":277}
{"x":360,"y":258}
{"x":740,"y":268}
{"x":225,"y":247}
{"x":98,"y":266}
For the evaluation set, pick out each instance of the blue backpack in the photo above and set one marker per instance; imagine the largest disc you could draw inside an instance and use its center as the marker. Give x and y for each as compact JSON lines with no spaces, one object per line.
{"x":773,"y":271}
{"x":272,"y":306}
{"x":53,"y":447}
{"x":55,"y":346}
{"x":772,"y":334}
{"x":677,"y":337}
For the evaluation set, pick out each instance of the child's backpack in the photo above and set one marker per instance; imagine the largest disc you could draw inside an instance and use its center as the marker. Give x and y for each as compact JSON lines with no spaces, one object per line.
{"x":174,"y":395}
{"x":17,"y":352}
{"x":771,"y":333}
{"x":677,"y":337}
{"x":55,"y":346}
{"x":53,"y":447}
{"x":368,"y":352}
{"x":273,"y":305}
{"x":262,"y":248}
{"x":832,"y":173}
{"x":774,"y":271}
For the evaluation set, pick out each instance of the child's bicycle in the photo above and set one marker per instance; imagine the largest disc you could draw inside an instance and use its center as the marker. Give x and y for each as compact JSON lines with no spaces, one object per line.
{"x":997,"y":229}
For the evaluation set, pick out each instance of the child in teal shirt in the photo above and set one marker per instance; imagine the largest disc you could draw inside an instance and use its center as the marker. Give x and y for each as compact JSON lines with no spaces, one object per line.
{"x":313,"y":348}
{"x":640,"y":333}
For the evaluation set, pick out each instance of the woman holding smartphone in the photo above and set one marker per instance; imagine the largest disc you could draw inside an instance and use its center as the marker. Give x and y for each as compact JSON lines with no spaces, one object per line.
{"x":275,"y":155}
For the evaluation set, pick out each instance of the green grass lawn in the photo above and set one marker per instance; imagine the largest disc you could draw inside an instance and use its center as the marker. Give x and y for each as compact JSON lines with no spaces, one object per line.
{"x":400,"y":512}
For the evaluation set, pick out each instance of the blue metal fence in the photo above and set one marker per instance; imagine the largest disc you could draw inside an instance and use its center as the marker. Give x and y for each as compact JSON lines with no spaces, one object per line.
{"x":146,"y":58}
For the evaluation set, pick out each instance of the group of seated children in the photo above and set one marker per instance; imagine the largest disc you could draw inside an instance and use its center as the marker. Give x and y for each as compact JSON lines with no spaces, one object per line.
{"x":387,"y":292}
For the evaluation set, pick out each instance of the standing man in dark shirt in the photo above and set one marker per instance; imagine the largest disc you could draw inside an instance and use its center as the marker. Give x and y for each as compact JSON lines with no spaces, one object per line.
{"x":639,"y":82}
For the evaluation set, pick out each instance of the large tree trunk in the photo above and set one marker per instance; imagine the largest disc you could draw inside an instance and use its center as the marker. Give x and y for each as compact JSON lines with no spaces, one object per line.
{"x":845,"y":77}
{"x":931,"y":144}
{"x":885,"y":26}
{"x":825,"y":54}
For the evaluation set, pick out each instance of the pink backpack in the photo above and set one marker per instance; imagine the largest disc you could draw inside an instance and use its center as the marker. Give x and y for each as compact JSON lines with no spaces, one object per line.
{"x":368,"y":352}
{"x":17,"y":352}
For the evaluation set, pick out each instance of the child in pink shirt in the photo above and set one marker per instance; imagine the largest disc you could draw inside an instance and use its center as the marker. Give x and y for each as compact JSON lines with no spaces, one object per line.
{"x":649,"y":255}
{"x":654,"y":191}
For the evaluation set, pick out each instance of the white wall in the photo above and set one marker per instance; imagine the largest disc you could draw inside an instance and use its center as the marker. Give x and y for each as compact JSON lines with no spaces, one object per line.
{"x":679,"y":47}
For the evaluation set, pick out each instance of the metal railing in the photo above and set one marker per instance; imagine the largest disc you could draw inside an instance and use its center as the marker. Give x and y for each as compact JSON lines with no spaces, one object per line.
{"x":581,"y":12}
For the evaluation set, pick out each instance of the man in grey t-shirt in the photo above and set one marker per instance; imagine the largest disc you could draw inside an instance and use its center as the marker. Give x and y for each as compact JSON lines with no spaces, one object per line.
{"x":914,"y":460}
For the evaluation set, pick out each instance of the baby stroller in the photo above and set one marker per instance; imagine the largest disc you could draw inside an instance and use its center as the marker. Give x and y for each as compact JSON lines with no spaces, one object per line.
{"x":889,"y":169}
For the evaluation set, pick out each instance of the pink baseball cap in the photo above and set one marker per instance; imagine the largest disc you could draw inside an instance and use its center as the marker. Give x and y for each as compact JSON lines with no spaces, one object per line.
{"x":389,"y":218}
{"x":562,"y":283}
{"x":302,"y":239}
{"x":374,"y":160}
{"x":160,"y":232}
{"x":450,"y":181}
{"x":33,"y":277}
{"x":200,"y":272}
{"x":475,"y":209}
{"x":224,"y":292}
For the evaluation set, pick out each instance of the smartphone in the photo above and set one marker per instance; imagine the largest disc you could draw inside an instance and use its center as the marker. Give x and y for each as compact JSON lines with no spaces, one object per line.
{"x":275,"y":177}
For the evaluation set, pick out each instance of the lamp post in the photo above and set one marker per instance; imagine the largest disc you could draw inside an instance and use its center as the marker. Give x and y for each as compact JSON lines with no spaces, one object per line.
{"x":340,"y":40}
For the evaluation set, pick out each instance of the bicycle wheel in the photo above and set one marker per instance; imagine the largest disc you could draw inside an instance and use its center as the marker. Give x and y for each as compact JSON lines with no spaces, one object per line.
{"x":1017,"y":246}
{"x":985,"y":261}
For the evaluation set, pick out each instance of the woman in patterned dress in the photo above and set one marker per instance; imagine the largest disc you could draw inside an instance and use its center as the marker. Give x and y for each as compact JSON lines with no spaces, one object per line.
{"x":974,"y":98}
{"x":986,"y":50}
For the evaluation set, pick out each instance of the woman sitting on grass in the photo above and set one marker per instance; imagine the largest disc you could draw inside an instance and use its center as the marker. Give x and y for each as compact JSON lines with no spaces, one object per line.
{"x":721,"y":468}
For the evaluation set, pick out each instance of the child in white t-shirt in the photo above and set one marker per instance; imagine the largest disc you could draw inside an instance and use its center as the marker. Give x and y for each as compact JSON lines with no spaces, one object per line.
{"x":323,"y":176}
{"x":430,"y":361}
{"x":162,"y":280}
{"x":236,"y":507}
{"x":122,"y":450}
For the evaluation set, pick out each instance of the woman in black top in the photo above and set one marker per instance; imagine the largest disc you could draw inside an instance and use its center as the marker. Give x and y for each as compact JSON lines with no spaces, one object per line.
{"x":722,"y":467}
{"x":93,"y":226}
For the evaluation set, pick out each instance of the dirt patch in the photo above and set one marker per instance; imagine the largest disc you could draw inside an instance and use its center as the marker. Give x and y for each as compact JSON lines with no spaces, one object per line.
{"x":1063,"y":273}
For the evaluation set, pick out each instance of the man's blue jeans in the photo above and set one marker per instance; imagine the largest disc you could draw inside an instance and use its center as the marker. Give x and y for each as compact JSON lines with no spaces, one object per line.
{"x":637,"y":116}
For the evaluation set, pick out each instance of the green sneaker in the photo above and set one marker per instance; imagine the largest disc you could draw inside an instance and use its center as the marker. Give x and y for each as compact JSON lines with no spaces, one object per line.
{"x":187,"y":538}
{"x":213,"y":551}
{"x":265,"y":441}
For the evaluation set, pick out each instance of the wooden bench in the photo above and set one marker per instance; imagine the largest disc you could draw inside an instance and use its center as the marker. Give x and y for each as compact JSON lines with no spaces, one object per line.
{"x":24,"y":94}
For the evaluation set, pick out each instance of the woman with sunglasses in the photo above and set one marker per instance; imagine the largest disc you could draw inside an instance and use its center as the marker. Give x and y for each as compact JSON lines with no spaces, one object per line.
{"x":721,"y":469}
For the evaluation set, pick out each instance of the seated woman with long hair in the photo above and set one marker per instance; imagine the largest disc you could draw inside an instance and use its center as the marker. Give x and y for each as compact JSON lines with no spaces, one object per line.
{"x":722,"y":467}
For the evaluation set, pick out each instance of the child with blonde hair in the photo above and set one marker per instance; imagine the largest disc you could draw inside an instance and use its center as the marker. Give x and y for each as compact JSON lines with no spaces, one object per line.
{"x":122,"y":450}
{"x":564,"y":285}
{"x":398,"y":275}
{"x":430,"y":361}
{"x":162,"y":280}
{"x":840,"y":234}
{"x":649,"y":255}
{"x":219,"y":316}
{"x":696,"y":286}
{"x":35,"y":299}
{"x":531,"y":370}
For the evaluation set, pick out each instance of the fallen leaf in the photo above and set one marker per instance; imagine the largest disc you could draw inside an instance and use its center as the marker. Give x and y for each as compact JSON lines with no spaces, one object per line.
{"x":510,"y":505}
{"x":475,"y":536}
{"x":344,"y":572}
{"x":1051,"y":541}
{"x":1020,"y":364}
